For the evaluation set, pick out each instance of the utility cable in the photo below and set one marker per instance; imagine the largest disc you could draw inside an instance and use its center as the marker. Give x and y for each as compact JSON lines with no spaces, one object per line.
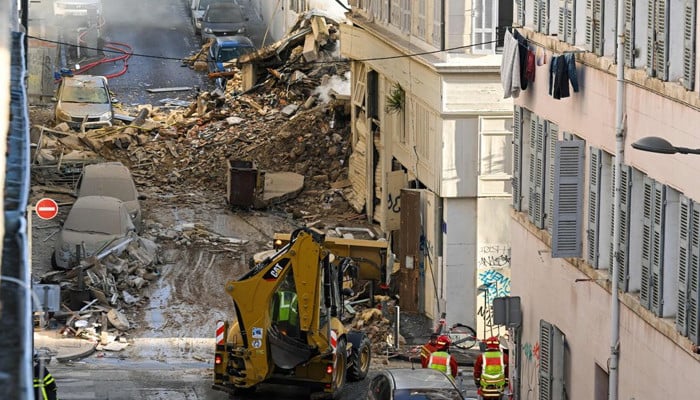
{"x":313,"y":62}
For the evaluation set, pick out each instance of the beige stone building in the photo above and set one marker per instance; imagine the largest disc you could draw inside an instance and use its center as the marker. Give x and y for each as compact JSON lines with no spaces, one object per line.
{"x":431,"y":144}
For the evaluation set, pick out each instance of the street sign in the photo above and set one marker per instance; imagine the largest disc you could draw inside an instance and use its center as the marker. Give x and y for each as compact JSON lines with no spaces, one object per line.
{"x":46,"y":208}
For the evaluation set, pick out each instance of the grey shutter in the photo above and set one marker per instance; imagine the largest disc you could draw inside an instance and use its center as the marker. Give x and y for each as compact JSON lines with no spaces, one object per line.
{"x":516,"y":180}
{"x":629,"y":33}
{"x":537,"y":15}
{"x":385,"y":11}
{"x":420,"y":19}
{"x":693,"y":317}
{"x":592,"y":233}
{"x":552,"y":137}
{"x":567,"y":18}
{"x":662,"y":40}
{"x":625,"y":210}
{"x":520,"y":15}
{"x":689,"y":44}
{"x":541,"y":16}
{"x":684,"y":257}
{"x":657,"y":242}
{"x":545,"y":376}
{"x":406,"y":16}
{"x":568,"y":199}
{"x":647,"y":226}
{"x":594,"y":26}
{"x":395,"y":12}
{"x":537,"y":173}
{"x":657,"y":39}
{"x":532,"y":143}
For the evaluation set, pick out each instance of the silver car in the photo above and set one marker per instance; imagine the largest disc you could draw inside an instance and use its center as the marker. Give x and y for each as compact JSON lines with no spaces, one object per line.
{"x":112,"y":179}
{"x":409,"y":383}
{"x":84,"y":101}
{"x":199,"y":7}
{"x":223,"y":19}
{"x":93,"y":223}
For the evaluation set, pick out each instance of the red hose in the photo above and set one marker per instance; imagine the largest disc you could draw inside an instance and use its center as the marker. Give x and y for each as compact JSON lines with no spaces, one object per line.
{"x":114,"y":46}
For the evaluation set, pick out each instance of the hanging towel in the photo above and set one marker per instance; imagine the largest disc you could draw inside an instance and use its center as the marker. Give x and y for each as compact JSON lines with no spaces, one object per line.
{"x":510,"y":67}
{"x":530,"y":66}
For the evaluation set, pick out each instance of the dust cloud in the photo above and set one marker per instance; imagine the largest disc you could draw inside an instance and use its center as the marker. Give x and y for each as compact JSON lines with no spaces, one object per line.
{"x":340,"y":85}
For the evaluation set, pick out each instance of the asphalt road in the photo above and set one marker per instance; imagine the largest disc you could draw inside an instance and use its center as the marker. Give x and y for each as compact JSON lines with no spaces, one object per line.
{"x":160,"y":35}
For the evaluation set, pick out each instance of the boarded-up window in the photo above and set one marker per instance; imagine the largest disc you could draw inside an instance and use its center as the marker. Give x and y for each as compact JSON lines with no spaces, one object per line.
{"x":568,"y":199}
{"x":423,"y":125}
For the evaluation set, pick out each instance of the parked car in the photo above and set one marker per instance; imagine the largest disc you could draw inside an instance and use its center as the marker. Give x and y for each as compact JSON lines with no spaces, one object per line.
{"x":84,"y":101}
{"x":198,"y":7}
{"x":410,"y":384}
{"x":112,"y":179}
{"x":223,"y":19}
{"x":92,"y":223}
{"x":224,"y":50}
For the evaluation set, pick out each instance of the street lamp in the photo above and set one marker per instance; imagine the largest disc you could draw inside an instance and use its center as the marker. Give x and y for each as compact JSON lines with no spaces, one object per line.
{"x":656,"y":144}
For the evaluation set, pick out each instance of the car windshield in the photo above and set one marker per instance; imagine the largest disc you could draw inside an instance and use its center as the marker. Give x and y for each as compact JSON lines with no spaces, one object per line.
{"x":229,"y":53}
{"x":94,"y":220}
{"x":120,"y":188}
{"x":203,"y":4}
{"x":224,"y":17}
{"x":427,"y":394}
{"x":84,"y":94}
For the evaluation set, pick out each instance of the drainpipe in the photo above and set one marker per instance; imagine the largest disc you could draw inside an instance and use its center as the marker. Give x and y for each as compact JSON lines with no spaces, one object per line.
{"x":619,"y":162}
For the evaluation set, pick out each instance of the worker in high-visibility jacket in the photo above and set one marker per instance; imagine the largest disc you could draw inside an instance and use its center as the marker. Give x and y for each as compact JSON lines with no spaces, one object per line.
{"x":440,"y":359}
{"x":287,"y":313}
{"x":491,"y":370}
{"x":44,"y":383}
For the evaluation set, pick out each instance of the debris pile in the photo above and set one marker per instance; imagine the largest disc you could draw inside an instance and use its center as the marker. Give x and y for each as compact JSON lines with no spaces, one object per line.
{"x":115,"y":280}
{"x":377,"y":323}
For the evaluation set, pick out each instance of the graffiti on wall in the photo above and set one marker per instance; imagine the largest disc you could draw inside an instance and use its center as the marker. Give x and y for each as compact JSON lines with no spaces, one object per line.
{"x":493,"y":281}
{"x":531,"y":367}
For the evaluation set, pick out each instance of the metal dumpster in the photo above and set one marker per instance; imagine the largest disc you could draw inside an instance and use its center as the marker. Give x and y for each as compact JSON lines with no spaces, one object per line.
{"x":245,"y":183}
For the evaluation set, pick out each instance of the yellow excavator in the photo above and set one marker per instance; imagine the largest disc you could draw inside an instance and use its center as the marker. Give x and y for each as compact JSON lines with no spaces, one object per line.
{"x":288,"y":316}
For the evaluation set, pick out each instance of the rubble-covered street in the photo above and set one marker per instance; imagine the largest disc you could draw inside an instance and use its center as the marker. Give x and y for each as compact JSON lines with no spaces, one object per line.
{"x":166,"y":285}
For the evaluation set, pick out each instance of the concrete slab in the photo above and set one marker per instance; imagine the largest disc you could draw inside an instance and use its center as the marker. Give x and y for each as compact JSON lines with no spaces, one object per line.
{"x":281,"y":186}
{"x":63,"y":348}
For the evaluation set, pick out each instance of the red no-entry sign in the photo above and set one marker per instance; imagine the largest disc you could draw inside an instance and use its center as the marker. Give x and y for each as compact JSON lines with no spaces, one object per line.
{"x":46,"y":208}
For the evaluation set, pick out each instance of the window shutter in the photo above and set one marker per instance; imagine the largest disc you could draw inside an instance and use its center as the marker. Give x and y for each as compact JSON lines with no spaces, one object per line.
{"x":437,"y":24}
{"x":684,"y":260}
{"x":545,"y":378}
{"x":693,"y":316}
{"x":537,"y":15}
{"x":645,"y":292}
{"x":532,"y":143}
{"x":689,"y":45}
{"x":395,"y":12}
{"x":657,"y":243}
{"x":662,"y":39}
{"x":420,"y":19}
{"x":625,"y":210}
{"x":519,"y":17}
{"x":516,"y":180}
{"x":406,"y":16}
{"x":629,"y":33}
{"x":568,"y":199}
{"x":567,"y":18}
{"x":385,"y":11}
{"x":552,"y":137}
{"x":541,"y":16}
{"x":594,"y":26}
{"x":595,"y":168}
{"x":537,"y":172}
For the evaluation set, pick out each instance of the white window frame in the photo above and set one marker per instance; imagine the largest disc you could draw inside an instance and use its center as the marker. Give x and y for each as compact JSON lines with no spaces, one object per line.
{"x":484,"y":29}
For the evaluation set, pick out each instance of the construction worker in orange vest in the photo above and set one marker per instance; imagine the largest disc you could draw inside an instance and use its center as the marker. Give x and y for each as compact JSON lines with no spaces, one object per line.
{"x":435,"y":354}
{"x":491,"y":370}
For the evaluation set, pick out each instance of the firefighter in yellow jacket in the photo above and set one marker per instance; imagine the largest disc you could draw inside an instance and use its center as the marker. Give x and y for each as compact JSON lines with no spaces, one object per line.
{"x":44,"y":383}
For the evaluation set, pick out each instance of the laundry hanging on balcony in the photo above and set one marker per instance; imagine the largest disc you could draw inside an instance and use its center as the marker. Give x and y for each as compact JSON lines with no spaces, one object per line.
{"x":517,"y":65}
{"x":562,"y":70}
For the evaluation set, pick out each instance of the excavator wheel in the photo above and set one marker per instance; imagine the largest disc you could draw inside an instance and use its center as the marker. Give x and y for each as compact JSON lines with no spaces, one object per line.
{"x":359,"y":360}
{"x":340,"y":368}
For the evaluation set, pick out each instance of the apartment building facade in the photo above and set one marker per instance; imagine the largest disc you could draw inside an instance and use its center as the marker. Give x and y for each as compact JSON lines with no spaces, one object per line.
{"x":563,"y":186}
{"x":431,"y":137}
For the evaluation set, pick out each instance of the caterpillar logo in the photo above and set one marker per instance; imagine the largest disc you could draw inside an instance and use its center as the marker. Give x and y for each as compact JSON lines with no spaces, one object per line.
{"x":276,"y":271}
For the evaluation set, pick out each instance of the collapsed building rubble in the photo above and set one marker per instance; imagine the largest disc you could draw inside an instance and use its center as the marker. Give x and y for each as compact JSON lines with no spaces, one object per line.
{"x":286,"y":108}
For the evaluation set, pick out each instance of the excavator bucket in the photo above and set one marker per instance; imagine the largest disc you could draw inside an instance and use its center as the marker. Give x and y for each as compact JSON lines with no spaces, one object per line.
{"x":287,"y":352}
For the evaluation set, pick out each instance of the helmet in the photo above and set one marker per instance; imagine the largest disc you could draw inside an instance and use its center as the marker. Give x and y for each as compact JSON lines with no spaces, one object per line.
{"x":493,"y":343}
{"x":443,"y":342}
